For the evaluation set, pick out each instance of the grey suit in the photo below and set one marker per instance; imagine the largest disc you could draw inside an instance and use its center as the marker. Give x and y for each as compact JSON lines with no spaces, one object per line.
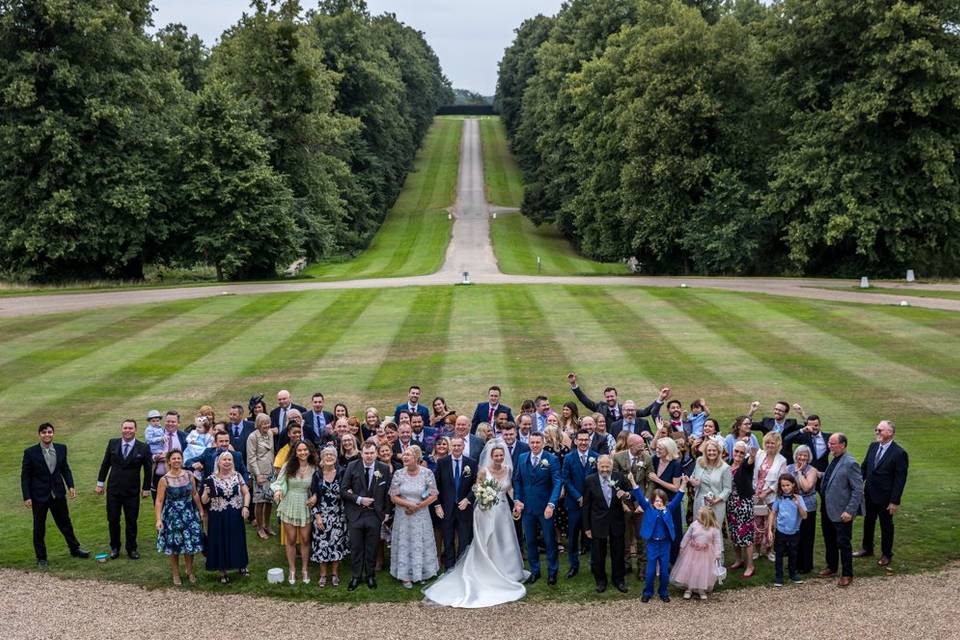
{"x":842,"y":489}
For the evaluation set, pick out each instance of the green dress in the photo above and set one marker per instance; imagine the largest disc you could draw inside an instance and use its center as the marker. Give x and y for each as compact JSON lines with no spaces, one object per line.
{"x":293,"y":502}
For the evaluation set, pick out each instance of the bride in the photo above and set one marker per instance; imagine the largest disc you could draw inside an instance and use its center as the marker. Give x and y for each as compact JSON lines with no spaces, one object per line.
{"x":491,"y":571}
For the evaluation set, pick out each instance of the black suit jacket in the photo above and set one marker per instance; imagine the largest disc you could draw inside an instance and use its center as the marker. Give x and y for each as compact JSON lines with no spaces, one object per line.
{"x":448,"y":497}
{"x":482,"y":414}
{"x":800,"y":437}
{"x":598,"y":407}
{"x":354,"y":485}
{"x":275,"y":415}
{"x":789,"y":427}
{"x":124,"y":473}
{"x":884,"y":482}
{"x":603,"y":521}
{"x":36,"y":481}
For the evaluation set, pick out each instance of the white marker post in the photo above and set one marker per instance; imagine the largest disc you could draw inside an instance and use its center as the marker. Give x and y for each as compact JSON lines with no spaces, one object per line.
{"x":538,"y":264}
{"x":864,"y":282}
{"x":910,"y":276}
{"x":466,"y":277}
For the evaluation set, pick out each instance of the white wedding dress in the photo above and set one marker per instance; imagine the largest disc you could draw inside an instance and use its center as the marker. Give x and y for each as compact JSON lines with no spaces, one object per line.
{"x":490,"y":572}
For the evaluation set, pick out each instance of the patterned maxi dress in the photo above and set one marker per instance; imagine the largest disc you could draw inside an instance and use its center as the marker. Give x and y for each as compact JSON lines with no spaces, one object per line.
{"x":331,"y":543}
{"x":413,"y":553}
{"x":181,"y":533}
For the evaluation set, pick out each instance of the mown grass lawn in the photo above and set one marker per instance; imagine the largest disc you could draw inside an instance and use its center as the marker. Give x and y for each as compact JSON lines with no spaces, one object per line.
{"x":853,"y":365}
{"x":517,"y":243}
{"x":911,"y":292}
{"x":504,"y":183}
{"x":413,"y":238}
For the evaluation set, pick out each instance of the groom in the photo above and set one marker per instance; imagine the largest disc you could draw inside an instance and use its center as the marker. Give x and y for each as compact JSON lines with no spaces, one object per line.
{"x":456,"y":474}
{"x":536,"y":488}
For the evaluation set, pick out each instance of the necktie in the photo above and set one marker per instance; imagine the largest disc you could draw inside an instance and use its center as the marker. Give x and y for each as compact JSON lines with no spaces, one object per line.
{"x":236,"y":431}
{"x":629,"y":427}
{"x":534,"y":460}
{"x":616,"y":414}
{"x":880,"y":451}
{"x":605,"y":486}
{"x":583,"y":459}
{"x":490,"y":416}
{"x":283,"y":419}
{"x":369,"y":477}
{"x":50,"y":455}
{"x":456,"y":476}
{"x":316,"y":424}
{"x":126,"y":450}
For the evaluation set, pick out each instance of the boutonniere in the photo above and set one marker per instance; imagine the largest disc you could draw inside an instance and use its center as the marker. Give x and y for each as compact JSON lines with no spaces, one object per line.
{"x":377,"y":474}
{"x":466,"y":471}
{"x":641,"y":464}
{"x":544,"y":463}
{"x":592,"y":462}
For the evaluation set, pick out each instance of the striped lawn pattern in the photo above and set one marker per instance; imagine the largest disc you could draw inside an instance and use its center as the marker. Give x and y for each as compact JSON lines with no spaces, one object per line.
{"x":850,"y":364}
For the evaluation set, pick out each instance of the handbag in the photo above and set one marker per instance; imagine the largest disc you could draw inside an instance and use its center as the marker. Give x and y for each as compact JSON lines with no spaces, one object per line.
{"x":720,"y":571}
{"x":760,"y":510}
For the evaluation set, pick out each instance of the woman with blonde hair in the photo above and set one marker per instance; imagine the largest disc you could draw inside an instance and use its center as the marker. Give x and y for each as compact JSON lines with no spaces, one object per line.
{"x":712,"y":480}
{"x":484,"y":431}
{"x":770,"y":464}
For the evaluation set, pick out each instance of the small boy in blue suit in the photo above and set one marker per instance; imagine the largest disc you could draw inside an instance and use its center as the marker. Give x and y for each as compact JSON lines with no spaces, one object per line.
{"x":657,"y":529}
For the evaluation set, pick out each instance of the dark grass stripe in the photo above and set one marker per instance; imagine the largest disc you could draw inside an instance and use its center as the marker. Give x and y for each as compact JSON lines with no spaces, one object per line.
{"x":23,"y":328}
{"x":533,"y":357}
{"x":944,"y":321}
{"x":83,"y":405}
{"x":43,"y":360}
{"x":844,"y":387}
{"x":647,"y":347}
{"x":313,"y":340}
{"x":418,"y":350}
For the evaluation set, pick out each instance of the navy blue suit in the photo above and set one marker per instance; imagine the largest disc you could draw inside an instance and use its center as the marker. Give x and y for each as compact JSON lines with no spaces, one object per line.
{"x":657,"y":528}
{"x":455,"y":523}
{"x":209,"y":461}
{"x":482,"y":414}
{"x":421,"y":409}
{"x":574,"y":475}
{"x":318,"y":434}
{"x":427,"y":438}
{"x":536,"y":487}
{"x":239,"y":443}
{"x":519,"y":448}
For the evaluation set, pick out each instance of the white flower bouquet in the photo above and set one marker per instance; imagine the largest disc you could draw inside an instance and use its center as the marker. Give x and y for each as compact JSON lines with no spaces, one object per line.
{"x":487,"y":492}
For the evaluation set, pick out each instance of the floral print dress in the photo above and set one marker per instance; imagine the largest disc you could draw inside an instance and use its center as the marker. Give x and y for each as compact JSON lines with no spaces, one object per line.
{"x":181,"y":532}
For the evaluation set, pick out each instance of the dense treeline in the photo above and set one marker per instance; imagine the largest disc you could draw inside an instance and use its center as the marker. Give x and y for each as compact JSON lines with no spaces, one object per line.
{"x":733,"y":137}
{"x":119,"y":149}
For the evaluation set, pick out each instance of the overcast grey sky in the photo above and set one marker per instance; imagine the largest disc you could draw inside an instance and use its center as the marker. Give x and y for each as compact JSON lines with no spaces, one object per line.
{"x":469,"y":36}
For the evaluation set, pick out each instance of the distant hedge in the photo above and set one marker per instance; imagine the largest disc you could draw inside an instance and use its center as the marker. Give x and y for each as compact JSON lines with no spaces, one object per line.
{"x":467,"y":110}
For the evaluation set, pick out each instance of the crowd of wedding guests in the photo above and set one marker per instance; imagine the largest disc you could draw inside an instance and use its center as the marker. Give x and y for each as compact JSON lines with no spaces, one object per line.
{"x":655,"y":489}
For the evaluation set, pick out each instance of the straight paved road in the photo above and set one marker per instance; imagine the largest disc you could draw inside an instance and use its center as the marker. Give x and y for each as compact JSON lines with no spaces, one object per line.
{"x":470,"y":250}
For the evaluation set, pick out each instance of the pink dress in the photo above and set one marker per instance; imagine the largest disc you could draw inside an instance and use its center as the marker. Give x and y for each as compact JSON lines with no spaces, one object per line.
{"x":699,"y":551}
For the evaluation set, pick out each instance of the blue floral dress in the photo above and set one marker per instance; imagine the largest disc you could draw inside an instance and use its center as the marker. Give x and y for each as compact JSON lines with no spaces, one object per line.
{"x":181,"y":533}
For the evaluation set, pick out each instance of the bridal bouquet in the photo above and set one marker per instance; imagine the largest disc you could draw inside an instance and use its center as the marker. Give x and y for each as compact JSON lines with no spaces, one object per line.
{"x":487,"y":493}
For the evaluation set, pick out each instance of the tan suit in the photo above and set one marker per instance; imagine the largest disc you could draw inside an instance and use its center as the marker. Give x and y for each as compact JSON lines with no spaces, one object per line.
{"x":640,"y":468}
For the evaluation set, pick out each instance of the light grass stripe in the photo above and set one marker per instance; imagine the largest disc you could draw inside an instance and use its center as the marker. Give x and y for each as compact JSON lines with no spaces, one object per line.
{"x":46,"y":391}
{"x":61,"y":333}
{"x":598,"y":362}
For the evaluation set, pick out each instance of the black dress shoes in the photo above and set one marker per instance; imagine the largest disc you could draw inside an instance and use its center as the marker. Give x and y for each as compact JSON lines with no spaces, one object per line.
{"x":114,"y":554}
{"x":43,"y":564}
{"x":621,"y":587}
{"x":80,"y":553}
{"x":572,"y":572}
{"x":552,"y":579}
{"x":133,"y":555}
{"x":665,"y":598}
{"x":371,"y":582}
{"x":533,"y":578}
{"x":601,"y":587}
{"x":645,"y":598}
{"x":354,"y":583}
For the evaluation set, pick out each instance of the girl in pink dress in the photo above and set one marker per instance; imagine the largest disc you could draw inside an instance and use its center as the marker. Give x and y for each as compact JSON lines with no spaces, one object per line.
{"x":700,"y":552}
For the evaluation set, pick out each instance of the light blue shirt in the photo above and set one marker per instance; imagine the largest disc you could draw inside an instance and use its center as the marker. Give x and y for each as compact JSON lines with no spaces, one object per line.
{"x":788,"y":515}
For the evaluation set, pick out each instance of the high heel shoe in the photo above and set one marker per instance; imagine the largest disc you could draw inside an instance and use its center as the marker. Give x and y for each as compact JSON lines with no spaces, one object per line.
{"x":292,"y":578}
{"x":736,"y":565}
{"x":192,"y":578}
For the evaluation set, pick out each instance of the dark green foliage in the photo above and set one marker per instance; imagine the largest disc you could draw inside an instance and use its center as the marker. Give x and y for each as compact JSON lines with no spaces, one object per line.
{"x":118,"y":149}
{"x":730,"y":137}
